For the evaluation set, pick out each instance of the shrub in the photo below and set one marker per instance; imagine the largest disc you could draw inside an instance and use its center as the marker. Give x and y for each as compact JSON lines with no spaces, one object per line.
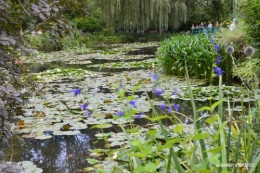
{"x":197,"y":50}
{"x":251,"y":10}
{"x":40,"y":42}
{"x":89,"y":24}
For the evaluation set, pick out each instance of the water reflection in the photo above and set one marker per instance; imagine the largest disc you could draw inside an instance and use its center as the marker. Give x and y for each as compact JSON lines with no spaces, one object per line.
{"x":62,"y":154}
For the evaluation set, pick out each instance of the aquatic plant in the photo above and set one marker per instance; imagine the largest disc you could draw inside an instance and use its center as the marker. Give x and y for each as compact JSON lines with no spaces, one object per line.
{"x":133,"y":103}
{"x":83,"y":106}
{"x":218,"y":71}
{"x":120,"y":113}
{"x":75,"y":92}
{"x":197,"y":50}
{"x":158,"y":91}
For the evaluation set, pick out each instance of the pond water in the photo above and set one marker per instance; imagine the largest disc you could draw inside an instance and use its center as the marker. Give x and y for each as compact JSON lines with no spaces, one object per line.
{"x":68,"y":153}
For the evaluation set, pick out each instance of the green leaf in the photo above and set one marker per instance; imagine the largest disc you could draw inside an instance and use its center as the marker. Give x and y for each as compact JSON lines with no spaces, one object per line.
{"x":101,"y":126}
{"x":212,"y":119}
{"x":133,"y":130}
{"x":204,"y":109}
{"x":215,"y":150}
{"x":214,"y":105}
{"x":201,"y":136}
{"x":215,"y":159}
{"x":152,"y":132}
{"x":157,"y":118}
{"x":141,"y":155}
{"x":92,"y":161}
{"x":161,"y":147}
{"x":135,"y":88}
{"x":136,"y":143}
{"x":179,"y":128}
{"x":201,"y":166}
{"x":150,"y":167}
{"x":173,"y":141}
{"x":130,"y":98}
{"x":148,"y":149}
{"x":139,"y":169}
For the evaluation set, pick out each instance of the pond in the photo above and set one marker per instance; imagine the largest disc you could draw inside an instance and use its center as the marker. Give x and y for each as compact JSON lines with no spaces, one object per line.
{"x":57,"y":129}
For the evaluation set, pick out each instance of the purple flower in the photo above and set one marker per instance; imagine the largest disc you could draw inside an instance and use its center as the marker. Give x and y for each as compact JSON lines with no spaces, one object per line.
{"x":133,"y":103}
{"x":158,"y":91}
{"x":120,"y":113}
{"x":120,"y":85}
{"x":154,"y":76}
{"x":216,"y":46}
{"x":219,"y":60}
{"x":89,"y":113}
{"x":162,"y":106}
{"x":83,"y":106}
{"x":176,"y":107}
{"x":218,"y":71}
{"x":140,"y":115}
{"x":169,"y":110}
{"x":173,"y":93}
{"x":212,"y":39}
{"x":75,"y":92}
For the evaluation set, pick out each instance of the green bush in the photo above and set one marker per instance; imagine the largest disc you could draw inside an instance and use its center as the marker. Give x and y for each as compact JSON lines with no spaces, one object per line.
{"x":40,"y":42}
{"x":197,"y":50}
{"x":251,"y":10}
{"x":34,"y":41}
{"x":89,"y":24}
{"x":78,"y":39}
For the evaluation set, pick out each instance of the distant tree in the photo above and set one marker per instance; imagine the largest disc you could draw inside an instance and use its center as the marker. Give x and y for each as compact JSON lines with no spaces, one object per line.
{"x":51,"y":18}
{"x":162,"y":14}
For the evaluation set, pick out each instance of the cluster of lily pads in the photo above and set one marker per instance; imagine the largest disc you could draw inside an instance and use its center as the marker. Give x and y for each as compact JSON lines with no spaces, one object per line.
{"x":150,"y":63}
{"x":71,"y":57}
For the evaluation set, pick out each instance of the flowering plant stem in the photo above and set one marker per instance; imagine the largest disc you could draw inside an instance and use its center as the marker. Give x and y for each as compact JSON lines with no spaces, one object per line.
{"x":197,"y":127}
{"x":172,"y":154}
{"x":137,"y":161}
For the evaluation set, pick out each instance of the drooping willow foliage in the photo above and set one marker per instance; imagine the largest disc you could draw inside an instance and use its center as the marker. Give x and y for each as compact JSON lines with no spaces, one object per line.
{"x":157,"y":14}
{"x":144,"y":14}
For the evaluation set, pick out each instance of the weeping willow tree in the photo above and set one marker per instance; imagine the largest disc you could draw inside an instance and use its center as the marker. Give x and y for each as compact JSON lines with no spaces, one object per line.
{"x":144,"y":14}
{"x":158,"y":14}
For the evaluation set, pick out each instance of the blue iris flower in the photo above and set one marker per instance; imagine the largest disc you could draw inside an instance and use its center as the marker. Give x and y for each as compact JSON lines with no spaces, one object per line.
{"x":216,"y":46}
{"x":162,"y":106}
{"x":212,"y":39}
{"x":169,"y":110}
{"x":120,"y":113}
{"x":219,"y":60}
{"x":75,"y":92}
{"x":176,"y":107}
{"x":83,"y":106}
{"x":133,"y":103}
{"x":218,"y":71}
{"x":173,"y":93}
{"x":140,"y":115}
{"x":154,"y":76}
{"x":158,"y":91}
{"x":120,"y":85}
{"x":89,"y":113}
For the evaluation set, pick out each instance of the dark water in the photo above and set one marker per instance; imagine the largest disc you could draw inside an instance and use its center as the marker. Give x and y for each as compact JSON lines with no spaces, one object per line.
{"x":62,"y":154}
